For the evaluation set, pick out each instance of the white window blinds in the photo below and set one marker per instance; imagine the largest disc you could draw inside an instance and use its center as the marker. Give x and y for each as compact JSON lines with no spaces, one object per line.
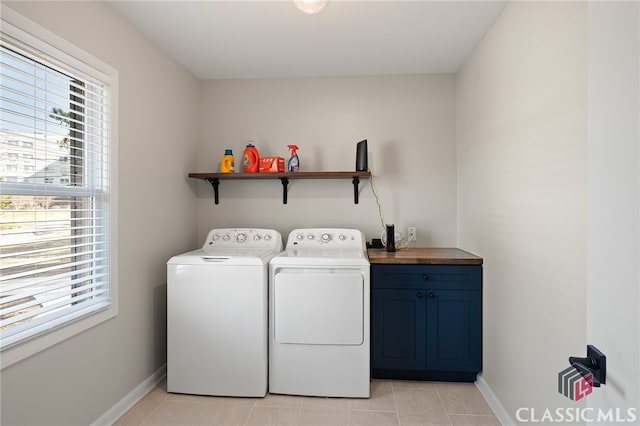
{"x":54,"y":192}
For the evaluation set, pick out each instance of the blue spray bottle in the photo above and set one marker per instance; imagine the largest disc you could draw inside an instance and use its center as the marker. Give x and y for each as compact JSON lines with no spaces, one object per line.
{"x":293,"y":165}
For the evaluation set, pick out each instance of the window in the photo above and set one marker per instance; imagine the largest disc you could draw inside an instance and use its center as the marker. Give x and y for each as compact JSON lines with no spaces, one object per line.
{"x":56,"y":244}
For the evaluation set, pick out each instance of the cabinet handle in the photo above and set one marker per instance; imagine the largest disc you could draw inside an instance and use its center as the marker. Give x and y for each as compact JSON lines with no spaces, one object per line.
{"x":432,"y":296}
{"x":425,"y":277}
{"x":419,"y":295}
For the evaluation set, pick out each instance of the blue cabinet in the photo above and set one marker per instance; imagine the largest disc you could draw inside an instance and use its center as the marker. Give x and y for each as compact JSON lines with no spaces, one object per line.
{"x":426,"y":321}
{"x":398,"y":330}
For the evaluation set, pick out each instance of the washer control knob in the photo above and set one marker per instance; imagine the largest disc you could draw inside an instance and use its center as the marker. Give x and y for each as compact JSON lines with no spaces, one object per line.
{"x":241,"y":238}
{"x":215,"y":237}
{"x":226,"y":237}
{"x":325,"y":238}
{"x":310,"y":236}
{"x":257,"y":237}
{"x":267,"y":237}
{"x":299,"y":237}
{"x":342,"y":237}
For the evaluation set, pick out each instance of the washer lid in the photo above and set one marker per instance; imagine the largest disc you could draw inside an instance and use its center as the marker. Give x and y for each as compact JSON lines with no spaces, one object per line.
{"x":240,"y":252}
{"x":227,"y":257}
{"x":302,"y":256}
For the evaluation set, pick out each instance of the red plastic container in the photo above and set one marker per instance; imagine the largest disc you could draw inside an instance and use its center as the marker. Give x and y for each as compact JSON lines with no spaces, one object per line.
{"x":271,"y":165}
{"x":251,"y":159}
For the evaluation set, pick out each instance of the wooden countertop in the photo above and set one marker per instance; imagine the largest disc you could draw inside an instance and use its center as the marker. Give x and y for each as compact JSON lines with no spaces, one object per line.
{"x":423,"y":256}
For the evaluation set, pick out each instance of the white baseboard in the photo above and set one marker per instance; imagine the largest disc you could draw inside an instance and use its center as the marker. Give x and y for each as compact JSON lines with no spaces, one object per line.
{"x":498,"y":409}
{"x":130,"y":399}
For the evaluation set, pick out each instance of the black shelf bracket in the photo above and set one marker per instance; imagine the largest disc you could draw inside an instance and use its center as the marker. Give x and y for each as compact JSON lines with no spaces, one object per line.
{"x":356,"y":182}
{"x":215,"y":182}
{"x":285,"y":185}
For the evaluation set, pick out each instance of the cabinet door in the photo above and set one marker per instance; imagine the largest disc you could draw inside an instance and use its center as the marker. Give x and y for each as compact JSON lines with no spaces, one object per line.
{"x":454,"y":327}
{"x":398,"y":329}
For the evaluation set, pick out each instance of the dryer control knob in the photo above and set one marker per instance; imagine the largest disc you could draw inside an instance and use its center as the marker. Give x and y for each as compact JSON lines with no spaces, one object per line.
{"x":326,"y":238}
{"x":226,"y":237}
{"x":216,"y":237}
{"x":299,"y":237}
{"x":258,"y":237}
{"x":241,"y":238}
{"x":342,"y":237}
{"x":267,"y":237}
{"x":310,"y":236}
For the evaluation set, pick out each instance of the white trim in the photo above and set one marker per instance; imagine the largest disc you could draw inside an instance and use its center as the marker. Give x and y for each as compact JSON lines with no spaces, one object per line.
{"x":500,"y":412}
{"x":29,"y":32}
{"x":130,"y":399}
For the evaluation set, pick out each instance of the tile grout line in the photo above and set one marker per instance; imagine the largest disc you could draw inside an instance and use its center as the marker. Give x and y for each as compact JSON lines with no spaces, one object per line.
{"x":471,"y":413}
{"x":395,"y":403}
{"x":246,"y":421}
{"x":153,"y":411}
{"x":166,"y":394}
{"x":299,"y":412}
{"x":444,"y":407}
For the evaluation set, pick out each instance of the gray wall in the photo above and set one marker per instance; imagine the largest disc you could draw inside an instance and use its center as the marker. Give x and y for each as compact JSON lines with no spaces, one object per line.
{"x":547,"y":119}
{"x":522,"y":195}
{"x":613,"y":284}
{"x":409,"y":121}
{"x":78,"y":380}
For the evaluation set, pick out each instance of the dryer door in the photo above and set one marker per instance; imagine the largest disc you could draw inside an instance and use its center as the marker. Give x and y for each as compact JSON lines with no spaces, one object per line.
{"x":318,"y":307}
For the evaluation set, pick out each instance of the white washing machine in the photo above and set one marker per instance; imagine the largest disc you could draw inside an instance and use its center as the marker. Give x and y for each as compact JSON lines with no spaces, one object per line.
{"x":217,"y":314}
{"x":319,"y":296}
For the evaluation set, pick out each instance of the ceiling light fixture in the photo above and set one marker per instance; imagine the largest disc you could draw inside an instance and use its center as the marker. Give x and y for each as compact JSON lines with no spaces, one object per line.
{"x":311,"y":6}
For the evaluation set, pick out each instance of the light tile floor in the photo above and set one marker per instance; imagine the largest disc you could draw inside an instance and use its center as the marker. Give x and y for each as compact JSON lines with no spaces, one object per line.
{"x":401,"y":403}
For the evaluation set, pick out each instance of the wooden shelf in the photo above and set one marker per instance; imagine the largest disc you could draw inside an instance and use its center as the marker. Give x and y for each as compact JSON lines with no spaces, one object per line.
{"x":215,"y":178}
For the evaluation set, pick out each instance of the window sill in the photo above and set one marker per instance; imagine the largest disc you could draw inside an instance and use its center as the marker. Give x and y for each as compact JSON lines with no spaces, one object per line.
{"x":38,"y":344}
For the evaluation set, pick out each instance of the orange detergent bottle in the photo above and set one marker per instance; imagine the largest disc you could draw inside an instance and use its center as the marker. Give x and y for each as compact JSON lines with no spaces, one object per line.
{"x":226,"y":164}
{"x":251,"y":159}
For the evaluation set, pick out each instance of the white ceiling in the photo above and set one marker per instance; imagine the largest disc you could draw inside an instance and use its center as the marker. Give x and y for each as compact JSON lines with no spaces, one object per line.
{"x":265,"y":39}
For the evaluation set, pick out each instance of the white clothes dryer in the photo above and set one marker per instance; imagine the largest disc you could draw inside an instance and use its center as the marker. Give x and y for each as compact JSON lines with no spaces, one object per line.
{"x":319,"y":343}
{"x":217,"y":341}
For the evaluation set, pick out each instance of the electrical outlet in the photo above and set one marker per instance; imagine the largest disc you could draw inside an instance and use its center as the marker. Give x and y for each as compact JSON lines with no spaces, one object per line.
{"x":412,"y":234}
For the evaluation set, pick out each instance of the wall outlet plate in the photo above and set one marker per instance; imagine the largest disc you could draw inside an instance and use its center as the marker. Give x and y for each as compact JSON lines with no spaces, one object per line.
{"x":412,"y":234}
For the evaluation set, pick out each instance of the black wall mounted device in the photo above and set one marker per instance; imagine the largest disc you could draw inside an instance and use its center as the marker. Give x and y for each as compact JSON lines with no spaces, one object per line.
{"x":391,"y":238}
{"x":595,"y":363}
{"x":362,"y":163}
